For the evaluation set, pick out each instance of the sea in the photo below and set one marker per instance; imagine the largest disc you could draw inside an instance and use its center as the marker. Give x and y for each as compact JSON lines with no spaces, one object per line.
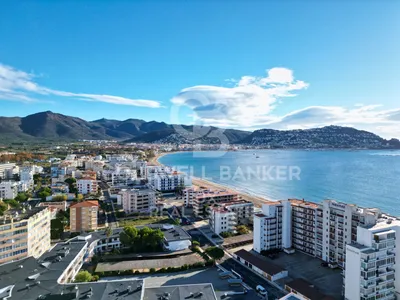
{"x":367,"y":178}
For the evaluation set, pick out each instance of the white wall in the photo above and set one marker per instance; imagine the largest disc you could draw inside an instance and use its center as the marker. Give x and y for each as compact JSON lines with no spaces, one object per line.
{"x":178,"y":245}
{"x":353,"y":275}
{"x":286,"y":224}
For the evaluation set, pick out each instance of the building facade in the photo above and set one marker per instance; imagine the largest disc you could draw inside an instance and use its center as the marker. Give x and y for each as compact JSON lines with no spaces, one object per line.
{"x":225,"y":217}
{"x":6,"y":169}
{"x":8,"y":189}
{"x":87,"y":186}
{"x":24,"y":233}
{"x":137,"y":200}
{"x":206,"y":198}
{"x":372,"y":270}
{"x":83,"y":216}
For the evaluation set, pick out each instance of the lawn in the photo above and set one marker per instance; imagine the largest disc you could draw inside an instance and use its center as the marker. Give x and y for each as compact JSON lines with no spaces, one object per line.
{"x":144,"y":221}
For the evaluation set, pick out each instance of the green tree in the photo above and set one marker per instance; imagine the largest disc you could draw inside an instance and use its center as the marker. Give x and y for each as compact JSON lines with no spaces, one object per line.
{"x":83,"y":276}
{"x":3,"y":207}
{"x":108,"y":232}
{"x":215,"y":252}
{"x":128,"y":236}
{"x":195,"y":244}
{"x":71,"y":184}
{"x":45,"y":192}
{"x":242,"y":229}
{"x":37,"y":178}
{"x":22,"y":197}
{"x":56,"y":229}
{"x":59,"y":198}
{"x":13,"y":203}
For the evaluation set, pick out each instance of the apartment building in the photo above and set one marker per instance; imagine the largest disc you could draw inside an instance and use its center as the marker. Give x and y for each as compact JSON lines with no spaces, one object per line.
{"x":371,"y":267}
{"x":7,"y":169}
{"x":307,"y":229}
{"x":94,"y":165}
{"x":340,"y":222}
{"x":317,"y":229}
{"x":205,"y":198}
{"x":24,"y":233}
{"x":8,"y":189}
{"x":272,"y":227}
{"x":225,"y":217}
{"x":59,"y":188}
{"x":135,"y":200}
{"x":83,"y":216}
{"x":87,"y":186}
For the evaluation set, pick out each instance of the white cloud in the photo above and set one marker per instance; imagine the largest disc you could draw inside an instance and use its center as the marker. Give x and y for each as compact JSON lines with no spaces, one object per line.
{"x":17,"y":85}
{"x":249,"y":102}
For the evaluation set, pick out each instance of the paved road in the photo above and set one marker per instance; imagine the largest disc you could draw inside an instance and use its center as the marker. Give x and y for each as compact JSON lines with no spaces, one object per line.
{"x":252,"y":279}
{"x":111,"y":217}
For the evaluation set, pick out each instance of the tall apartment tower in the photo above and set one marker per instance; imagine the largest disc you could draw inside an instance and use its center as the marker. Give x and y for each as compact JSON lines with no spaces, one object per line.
{"x":372,"y":271}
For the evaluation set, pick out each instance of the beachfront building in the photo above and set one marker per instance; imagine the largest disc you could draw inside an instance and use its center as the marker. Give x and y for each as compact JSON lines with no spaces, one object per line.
{"x":205,"y":198}
{"x":272,"y":227}
{"x":24,"y":233}
{"x":83,"y":216}
{"x":169,"y":182}
{"x":317,"y":229}
{"x":138,"y":200}
{"x":226,"y":216}
{"x":372,"y":271}
{"x":87,"y":186}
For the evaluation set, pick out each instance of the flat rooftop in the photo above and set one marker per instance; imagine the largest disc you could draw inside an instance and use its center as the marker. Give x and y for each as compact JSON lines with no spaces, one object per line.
{"x":18,"y":215}
{"x":263,"y":265}
{"x":32,"y":278}
{"x":178,"y":292}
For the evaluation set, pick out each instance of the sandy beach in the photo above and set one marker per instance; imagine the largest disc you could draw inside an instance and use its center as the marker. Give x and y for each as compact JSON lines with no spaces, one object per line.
{"x":258,"y":201}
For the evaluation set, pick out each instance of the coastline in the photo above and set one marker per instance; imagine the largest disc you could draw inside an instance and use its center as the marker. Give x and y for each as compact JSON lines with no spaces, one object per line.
{"x":198,"y":182}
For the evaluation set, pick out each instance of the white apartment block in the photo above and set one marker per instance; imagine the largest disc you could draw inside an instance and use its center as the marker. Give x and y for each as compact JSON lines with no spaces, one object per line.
{"x":225,"y":217}
{"x":372,"y":271}
{"x":169,"y":182}
{"x":206,"y":198}
{"x":26,"y":174}
{"x":269,"y":229}
{"x":94,"y":165}
{"x":87,"y":186}
{"x":188,"y":196}
{"x":8,"y":189}
{"x":317,"y":229}
{"x":5,"y":170}
{"x":136,"y":200}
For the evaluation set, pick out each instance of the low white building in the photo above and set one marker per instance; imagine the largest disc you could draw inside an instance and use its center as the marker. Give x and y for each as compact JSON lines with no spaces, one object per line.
{"x":94,"y":165}
{"x":372,"y":271}
{"x":266,"y":269}
{"x":87,"y":186}
{"x":138,"y":200}
{"x":8,"y":189}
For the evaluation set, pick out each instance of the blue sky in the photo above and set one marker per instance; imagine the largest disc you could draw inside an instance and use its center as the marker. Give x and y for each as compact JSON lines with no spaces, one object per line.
{"x":238,"y":64}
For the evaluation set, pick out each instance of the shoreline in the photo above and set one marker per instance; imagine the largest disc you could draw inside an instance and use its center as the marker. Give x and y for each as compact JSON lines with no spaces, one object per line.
{"x":199,"y":182}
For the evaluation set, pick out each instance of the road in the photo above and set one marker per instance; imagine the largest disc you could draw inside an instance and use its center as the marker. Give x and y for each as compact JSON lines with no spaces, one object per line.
{"x":111,"y":216}
{"x":252,"y":279}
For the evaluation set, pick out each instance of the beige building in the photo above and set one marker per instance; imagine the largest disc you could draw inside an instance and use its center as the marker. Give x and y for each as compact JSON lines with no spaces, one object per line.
{"x":24,"y":233}
{"x":83,"y":216}
{"x":207,"y":198}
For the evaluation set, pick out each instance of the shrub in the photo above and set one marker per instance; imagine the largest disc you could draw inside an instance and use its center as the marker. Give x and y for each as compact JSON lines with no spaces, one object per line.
{"x":152,"y":270}
{"x":195,"y":244}
{"x":137,"y":272}
{"x":95,"y":277}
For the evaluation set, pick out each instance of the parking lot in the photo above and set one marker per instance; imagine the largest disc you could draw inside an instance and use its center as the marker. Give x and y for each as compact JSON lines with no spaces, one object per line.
{"x":326,"y":280}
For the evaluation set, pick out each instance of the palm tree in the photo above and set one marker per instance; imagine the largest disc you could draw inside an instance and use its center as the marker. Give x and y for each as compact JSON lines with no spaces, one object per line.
{"x":108,"y":231}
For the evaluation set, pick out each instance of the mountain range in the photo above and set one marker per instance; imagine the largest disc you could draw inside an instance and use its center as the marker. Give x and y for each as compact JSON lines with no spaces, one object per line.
{"x":51,"y":126}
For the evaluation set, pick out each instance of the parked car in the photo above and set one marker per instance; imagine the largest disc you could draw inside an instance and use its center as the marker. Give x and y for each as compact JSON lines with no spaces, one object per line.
{"x":261,"y":290}
{"x":333,"y":265}
{"x":324,"y":264}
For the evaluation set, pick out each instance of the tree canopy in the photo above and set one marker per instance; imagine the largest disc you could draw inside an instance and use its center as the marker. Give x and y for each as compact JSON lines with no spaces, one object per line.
{"x":215,"y":252}
{"x":83,"y":276}
{"x":142,"y":240}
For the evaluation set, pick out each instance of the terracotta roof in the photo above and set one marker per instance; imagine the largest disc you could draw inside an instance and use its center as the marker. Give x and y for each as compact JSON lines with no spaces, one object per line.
{"x":303,"y":203}
{"x":86,"y":204}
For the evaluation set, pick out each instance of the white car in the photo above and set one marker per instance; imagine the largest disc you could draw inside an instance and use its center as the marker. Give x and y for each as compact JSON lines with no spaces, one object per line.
{"x":261,"y":290}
